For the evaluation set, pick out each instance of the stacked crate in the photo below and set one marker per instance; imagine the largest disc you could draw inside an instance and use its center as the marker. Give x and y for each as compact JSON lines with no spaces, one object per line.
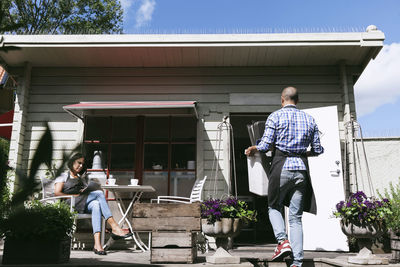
{"x":173,"y":227}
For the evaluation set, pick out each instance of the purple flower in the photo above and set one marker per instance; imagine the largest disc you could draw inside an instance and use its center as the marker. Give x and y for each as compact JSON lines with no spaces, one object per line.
{"x":231,"y":202}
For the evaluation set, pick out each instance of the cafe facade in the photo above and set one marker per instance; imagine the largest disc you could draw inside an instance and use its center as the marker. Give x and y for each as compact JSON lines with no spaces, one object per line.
{"x":149,"y":106}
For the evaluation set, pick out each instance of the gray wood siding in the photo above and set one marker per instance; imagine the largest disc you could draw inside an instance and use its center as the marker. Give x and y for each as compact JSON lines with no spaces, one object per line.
{"x":53,"y":88}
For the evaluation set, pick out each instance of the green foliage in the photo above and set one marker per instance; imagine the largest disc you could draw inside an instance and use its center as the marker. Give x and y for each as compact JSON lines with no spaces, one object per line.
{"x":362,"y":211}
{"x":30,"y":219}
{"x":6,"y":24}
{"x":38,"y":221}
{"x":4,"y":168}
{"x":393,"y":194}
{"x":64,"y":16}
{"x":215,"y":209}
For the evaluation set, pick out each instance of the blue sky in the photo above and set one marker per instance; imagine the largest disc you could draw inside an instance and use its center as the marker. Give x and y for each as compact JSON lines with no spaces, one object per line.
{"x":378,"y":89}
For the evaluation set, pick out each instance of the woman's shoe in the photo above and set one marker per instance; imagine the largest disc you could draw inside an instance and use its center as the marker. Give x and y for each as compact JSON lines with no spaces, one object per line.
{"x":116,"y":237}
{"x":99,"y":252}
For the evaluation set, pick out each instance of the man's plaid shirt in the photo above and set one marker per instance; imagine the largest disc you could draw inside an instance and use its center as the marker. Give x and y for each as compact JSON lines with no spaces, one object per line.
{"x":291,"y":130}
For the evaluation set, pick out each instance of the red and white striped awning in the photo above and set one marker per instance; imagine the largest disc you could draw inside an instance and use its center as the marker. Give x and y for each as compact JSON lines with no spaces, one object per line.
{"x":126,"y":108}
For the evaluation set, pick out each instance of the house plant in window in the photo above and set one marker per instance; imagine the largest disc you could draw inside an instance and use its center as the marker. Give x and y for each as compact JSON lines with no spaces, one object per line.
{"x":35,"y":232}
{"x":224,"y":218}
{"x":363,"y":218}
{"x":393,"y":219}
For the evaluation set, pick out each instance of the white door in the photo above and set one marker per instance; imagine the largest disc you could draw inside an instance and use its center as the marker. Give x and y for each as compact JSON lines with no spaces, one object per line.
{"x":322,"y":231}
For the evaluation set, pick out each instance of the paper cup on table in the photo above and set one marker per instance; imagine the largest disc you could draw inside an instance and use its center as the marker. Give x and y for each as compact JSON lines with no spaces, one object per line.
{"x":134,"y":181}
{"x":111,"y":181}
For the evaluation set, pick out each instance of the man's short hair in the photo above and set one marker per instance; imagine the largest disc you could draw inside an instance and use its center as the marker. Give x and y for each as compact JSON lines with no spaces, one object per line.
{"x":290,"y":94}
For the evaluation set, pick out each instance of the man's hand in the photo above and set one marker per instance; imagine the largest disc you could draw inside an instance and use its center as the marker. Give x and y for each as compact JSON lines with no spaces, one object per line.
{"x":250,"y":150}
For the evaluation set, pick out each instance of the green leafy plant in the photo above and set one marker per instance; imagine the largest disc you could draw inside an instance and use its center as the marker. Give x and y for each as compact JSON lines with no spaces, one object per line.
{"x":24,"y":218}
{"x":215,"y":209}
{"x":5,"y":195}
{"x":40,"y":221}
{"x":393,"y":195}
{"x":362,"y":211}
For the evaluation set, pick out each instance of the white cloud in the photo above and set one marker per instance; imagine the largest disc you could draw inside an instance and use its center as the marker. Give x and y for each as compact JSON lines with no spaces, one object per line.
{"x":145,"y":12}
{"x":380,"y":82}
{"x":126,"y":4}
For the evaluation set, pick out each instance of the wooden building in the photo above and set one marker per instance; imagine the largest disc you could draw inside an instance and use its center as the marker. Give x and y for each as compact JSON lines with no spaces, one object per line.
{"x":152,"y":103}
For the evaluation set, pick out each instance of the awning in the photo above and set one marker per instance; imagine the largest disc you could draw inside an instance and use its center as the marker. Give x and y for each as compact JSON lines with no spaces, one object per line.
{"x":6,"y":122}
{"x":131,"y":108}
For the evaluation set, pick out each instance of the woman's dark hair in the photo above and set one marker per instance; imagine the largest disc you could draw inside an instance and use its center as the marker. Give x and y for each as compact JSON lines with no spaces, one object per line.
{"x":71,"y":161}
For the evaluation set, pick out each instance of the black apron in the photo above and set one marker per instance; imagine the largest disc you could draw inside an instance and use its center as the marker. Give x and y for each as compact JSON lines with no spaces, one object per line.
{"x":274,"y":176}
{"x":73,"y":186}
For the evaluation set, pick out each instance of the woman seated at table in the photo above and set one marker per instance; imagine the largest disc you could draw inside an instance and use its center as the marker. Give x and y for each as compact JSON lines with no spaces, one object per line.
{"x":73,"y":183}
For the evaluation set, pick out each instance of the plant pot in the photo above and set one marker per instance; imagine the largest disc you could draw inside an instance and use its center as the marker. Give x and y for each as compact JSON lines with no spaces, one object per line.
{"x":36,"y":251}
{"x":363,"y":234}
{"x":395,"y":246}
{"x":223,"y":231}
{"x":227,"y":227}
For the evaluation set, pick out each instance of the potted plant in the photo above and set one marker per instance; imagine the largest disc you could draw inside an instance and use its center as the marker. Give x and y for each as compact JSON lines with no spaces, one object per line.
{"x":362,"y":217}
{"x":35,"y":232}
{"x":224,"y":218}
{"x":393,"y":219}
{"x":38,"y":233}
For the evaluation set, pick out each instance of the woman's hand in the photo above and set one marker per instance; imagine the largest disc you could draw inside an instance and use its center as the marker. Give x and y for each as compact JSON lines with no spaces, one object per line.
{"x":250,"y":150}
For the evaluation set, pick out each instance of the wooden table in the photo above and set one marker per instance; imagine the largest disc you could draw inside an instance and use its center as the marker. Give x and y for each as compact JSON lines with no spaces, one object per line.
{"x":137,"y":192}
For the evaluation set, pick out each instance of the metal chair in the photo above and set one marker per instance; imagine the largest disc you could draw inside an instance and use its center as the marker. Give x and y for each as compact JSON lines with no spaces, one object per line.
{"x":195,"y":195}
{"x":48,"y":196}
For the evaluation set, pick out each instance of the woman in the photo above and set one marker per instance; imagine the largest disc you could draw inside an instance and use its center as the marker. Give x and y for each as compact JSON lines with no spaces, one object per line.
{"x":94,"y":202}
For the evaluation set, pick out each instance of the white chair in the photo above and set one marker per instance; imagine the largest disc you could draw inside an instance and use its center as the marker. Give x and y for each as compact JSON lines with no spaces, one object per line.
{"x":48,"y":196}
{"x":195,"y":195}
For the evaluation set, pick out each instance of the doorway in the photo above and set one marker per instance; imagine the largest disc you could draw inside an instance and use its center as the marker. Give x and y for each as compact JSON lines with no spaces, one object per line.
{"x":259,"y":232}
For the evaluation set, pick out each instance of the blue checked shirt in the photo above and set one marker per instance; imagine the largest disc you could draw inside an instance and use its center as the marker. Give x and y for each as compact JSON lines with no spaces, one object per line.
{"x":292,"y":131}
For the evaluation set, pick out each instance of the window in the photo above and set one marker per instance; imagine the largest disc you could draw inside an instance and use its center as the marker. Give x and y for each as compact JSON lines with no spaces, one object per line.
{"x":159,"y":151}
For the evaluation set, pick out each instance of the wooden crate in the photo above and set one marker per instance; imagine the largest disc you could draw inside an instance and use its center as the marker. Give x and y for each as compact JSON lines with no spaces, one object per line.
{"x":173,"y":228}
{"x":166,"y":217}
{"x":173,"y":246}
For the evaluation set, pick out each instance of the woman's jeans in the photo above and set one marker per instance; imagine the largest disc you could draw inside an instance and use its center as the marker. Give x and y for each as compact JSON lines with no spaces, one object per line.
{"x":294,"y":184}
{"x":96,"y":204}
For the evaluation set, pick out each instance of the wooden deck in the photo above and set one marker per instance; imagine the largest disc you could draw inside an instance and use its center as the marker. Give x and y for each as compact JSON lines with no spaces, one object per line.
{"x":250,"y":255}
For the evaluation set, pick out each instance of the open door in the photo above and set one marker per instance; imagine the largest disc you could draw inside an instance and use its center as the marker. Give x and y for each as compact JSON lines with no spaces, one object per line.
{"x":322,"y":231}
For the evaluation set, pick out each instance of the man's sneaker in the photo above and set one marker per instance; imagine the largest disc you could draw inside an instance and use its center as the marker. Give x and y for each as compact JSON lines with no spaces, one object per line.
{"x":282,"y":250}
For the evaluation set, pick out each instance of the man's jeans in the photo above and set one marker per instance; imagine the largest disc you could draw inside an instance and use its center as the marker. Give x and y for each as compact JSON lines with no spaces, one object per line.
{"x":294,"y":183}
{"x":96,"y":204}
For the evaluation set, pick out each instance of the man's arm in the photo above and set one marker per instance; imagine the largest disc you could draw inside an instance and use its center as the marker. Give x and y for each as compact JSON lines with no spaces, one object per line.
{"x":316,"y":147}
{"x":267,"y":139}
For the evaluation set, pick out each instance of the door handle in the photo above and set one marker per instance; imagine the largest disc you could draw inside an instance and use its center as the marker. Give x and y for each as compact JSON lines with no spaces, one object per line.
{"x":335,"y":173}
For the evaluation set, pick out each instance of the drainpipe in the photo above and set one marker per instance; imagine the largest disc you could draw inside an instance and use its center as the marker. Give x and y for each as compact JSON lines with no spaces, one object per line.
{"x":347,"y":122}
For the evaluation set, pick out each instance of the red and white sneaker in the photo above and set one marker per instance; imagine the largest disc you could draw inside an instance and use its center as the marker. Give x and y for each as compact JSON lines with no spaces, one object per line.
{"x":282,"y":250}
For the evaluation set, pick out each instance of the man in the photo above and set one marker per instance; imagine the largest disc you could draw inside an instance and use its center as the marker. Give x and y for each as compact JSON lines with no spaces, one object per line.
{"x":290,"y":132}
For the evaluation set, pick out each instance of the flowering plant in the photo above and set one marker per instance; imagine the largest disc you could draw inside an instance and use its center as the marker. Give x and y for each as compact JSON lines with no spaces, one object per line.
{"x":363,"y":211}
{"x":215,"y":209}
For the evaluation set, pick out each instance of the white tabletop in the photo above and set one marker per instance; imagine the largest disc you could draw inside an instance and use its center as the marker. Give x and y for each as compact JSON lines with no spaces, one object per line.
{"x":129,"y":188}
